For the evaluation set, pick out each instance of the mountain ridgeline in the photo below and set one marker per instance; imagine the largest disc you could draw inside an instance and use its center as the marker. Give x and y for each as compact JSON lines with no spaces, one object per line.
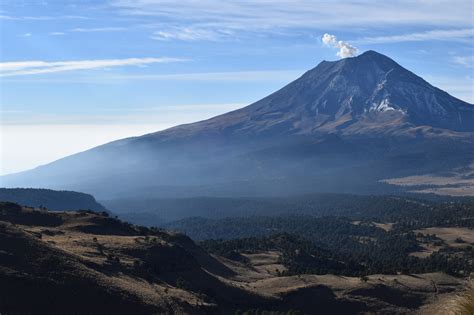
{"x":341,"y":127}
{"x":51,"y":199}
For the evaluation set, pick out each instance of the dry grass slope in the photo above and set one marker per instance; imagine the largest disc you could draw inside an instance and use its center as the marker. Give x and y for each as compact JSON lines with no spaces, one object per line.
{"x":462,"y":304}
{"x":90,"y":263}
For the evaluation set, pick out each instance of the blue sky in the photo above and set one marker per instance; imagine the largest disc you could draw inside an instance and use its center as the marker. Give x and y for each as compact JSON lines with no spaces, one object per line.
{"x":75,"y":74}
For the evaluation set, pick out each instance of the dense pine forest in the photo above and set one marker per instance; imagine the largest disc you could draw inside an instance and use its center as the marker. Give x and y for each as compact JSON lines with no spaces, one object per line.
{"x":383,"y":238}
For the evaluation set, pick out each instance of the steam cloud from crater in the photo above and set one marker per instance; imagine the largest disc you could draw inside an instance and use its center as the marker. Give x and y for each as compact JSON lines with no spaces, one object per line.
{"x":345,"y":49}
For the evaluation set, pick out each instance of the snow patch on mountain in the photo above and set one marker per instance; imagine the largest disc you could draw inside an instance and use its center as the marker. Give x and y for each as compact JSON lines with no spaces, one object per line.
{"x":385,"y":106}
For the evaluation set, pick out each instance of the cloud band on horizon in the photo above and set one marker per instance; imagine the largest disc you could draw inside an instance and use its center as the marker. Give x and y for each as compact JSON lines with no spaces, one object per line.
{"x":439,"y":34}
{"x":17,"y":68}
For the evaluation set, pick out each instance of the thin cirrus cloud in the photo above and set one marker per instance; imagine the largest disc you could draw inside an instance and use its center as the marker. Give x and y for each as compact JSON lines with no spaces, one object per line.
{"x":271,"y":14}
{"x":467,"y":61}
{"x":188,"y":34}
{"x":18,"y":68}
{"x":97,"y":29}
{"x":43,"y":18}
{"x":445,"y":35}
{"x":214,"y":20}
{"x":89,"y":30}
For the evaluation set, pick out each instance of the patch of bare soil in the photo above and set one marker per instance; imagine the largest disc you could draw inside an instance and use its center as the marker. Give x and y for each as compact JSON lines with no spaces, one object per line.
{"x":459,"y":182}
{"x":426,"y":250}
{"x":384,"y":226}
{"x":452,"y":236}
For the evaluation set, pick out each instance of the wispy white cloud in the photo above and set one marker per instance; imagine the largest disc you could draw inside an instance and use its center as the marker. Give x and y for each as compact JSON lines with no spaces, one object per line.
{"x":467,"y":61}
{"x":97,"y":29}
{"x":188,"y":34}
{"x":26,"y":35}
{"x":90,"y":30}
{"x":445,"y":35}
{"x":345,"y":49}
{"x":42,"y":17}
{"x":270,"y":15}
{"x":17,"y":68}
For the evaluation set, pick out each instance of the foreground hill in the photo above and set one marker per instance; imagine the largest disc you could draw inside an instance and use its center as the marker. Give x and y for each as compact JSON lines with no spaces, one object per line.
{"x":89,"y":263}
{"x":84,"y":262}
{"x":343,"y":126}
{"x":51,"y":199}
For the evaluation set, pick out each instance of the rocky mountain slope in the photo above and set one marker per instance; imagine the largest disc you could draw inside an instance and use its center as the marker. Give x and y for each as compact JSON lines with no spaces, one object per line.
{"x":349,"y":96}
{"x":343,"y":126}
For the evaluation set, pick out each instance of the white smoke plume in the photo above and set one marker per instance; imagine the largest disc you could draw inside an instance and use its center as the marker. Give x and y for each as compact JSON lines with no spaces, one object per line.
{"x":345,"y":49}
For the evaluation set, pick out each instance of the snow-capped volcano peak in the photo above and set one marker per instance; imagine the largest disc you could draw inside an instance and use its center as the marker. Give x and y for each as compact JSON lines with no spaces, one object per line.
{"x":337,"y":95}
{"x":360,"y":93}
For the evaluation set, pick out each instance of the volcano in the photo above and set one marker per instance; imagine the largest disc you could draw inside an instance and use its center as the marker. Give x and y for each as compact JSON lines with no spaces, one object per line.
{"x":343,"y":126}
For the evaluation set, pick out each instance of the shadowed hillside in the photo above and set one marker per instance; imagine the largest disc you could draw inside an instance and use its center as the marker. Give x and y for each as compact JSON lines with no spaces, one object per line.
{"x":51,"y":199}
{"x":90,"y":263}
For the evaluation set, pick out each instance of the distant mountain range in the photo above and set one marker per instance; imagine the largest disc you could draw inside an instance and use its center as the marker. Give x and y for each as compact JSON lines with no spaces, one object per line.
{"x":343,"y":126}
